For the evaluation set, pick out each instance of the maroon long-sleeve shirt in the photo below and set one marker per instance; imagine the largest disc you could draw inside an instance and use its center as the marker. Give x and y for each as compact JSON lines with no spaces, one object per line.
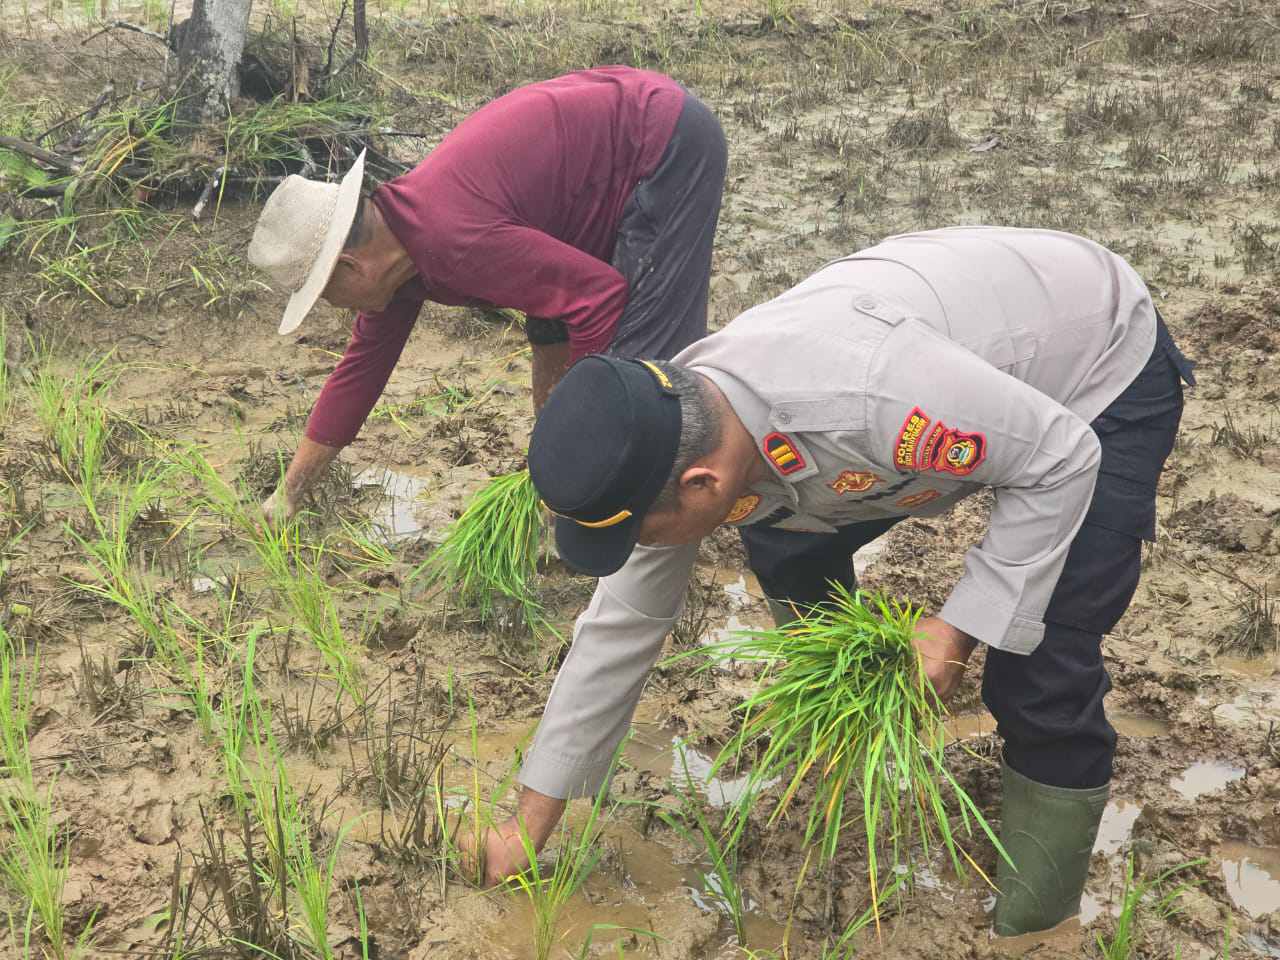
{"x":517,"y":207}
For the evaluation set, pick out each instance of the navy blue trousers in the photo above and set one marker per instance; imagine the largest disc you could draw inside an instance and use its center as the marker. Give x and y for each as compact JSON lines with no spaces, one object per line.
{"x":1048,"y":705}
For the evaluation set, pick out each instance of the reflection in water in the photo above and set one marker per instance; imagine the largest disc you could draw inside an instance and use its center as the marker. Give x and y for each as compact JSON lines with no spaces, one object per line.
{"x":1205,"y":776}
{"x":401,"y":491}
{"x":719,"y":791}
{"x":1252,"y":876}
{"x":1116,"y":826}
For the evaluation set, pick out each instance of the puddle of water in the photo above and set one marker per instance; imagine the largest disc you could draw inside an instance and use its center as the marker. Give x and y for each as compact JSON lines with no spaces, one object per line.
{"x":400,"y":496}
{"x":741,"y":588}
{"x":1261,"y":945}
{"x":1252,"y":876}
{"x":1138,"y":725}
{"x":980,"y":723}
{"x":719,"y":791}
{"x":1205,"y":776}
{"x":1251,"y":708}
{"x":1116,"y":827}
{"x":963,"y":726}
{"x":1257,"y":668}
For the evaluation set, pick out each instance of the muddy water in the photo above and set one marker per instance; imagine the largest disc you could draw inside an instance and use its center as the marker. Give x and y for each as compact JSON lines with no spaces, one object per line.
{"x":1117,"y":826}
{"x":401,"y":494}
{"x":1252,"y":876}
{"x":1205,"y":776}
{"x":980,"y":723}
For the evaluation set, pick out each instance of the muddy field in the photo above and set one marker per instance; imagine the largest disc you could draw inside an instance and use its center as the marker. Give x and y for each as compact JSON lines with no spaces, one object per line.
{"x":1153,"y":127}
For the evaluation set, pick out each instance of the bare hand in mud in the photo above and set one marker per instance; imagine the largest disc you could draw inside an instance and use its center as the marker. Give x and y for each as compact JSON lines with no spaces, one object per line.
{"x":277,"y":510}
{"x":945,"y":651}
{"x":504,"y":854}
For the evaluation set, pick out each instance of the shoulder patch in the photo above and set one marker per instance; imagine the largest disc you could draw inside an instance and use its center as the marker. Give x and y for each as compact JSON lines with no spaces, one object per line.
{"x":742,"y":508}
{"x":853,"y":481}
{"x":782,"y":453}
{"x":913,"y":500}
{"x":958,"y":452}
{"x":908,"y":442}
{"x":944,"y":449}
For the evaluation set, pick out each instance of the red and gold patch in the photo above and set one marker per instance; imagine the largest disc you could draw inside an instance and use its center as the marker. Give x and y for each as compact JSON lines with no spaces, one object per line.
{"x":743,"y":507}
{"x":959,"y":452}
{"x":852,"y":481}
{"x":913,"y":428}
{"x":945,"y":450}
{"x":783,"y":453}
{"x":913,"y":500}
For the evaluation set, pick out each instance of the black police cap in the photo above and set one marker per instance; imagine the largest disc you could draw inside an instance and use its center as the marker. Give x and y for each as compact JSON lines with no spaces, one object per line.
{"x":601,"y":451}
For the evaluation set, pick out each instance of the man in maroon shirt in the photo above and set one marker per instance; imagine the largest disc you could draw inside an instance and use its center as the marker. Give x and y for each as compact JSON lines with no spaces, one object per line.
{"x":589,"y":202}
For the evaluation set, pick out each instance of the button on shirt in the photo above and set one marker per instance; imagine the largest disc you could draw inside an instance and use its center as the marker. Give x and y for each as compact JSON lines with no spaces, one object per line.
{"x":891,"y":383}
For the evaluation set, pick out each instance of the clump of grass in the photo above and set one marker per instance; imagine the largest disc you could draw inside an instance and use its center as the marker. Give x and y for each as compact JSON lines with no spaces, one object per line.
{"x":1142,"y":898}
{"x":1256,"y":628}
{"x":845,"y":703}
{"x":489,"y":557}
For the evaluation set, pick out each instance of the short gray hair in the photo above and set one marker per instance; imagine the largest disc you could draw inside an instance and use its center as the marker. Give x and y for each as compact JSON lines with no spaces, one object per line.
{"x":700,"y":427}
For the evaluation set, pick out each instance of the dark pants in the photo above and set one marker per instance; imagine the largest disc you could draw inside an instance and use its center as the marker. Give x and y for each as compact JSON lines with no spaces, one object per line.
{"x":1048,"y":704}
{"x":663,"y":248}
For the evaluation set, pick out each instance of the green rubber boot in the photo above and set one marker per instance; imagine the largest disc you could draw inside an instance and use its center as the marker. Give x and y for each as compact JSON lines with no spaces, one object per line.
{"x":783,"y":613}
{"x":1048,"y":832}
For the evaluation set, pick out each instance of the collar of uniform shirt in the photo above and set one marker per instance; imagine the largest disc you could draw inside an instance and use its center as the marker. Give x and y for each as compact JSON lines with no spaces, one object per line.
{"x":754,"y":414}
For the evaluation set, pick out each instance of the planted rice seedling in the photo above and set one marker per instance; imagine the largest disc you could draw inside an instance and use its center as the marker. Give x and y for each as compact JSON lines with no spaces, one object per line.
{"x":33,"y":856}
{"x":576,"y":856}
{"x":490,"y":554}
{"x":721,"y":847}
{"x":845,"y":703}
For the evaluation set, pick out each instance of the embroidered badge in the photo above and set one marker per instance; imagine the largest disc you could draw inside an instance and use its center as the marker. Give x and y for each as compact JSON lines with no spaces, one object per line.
{"x":913,"y":428}
{"x":958,"y":452}
{"x":913,"y":500}
{"x":851,"y":481}
{"x":783,"y":453}
{"x":743,"y":508}
{"x":945,"y":450}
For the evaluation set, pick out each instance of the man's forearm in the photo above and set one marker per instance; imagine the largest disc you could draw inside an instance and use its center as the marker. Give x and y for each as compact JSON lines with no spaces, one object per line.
{"x":309,"y":461}
{"x":539,"y":813}
{"x":550,"y":361}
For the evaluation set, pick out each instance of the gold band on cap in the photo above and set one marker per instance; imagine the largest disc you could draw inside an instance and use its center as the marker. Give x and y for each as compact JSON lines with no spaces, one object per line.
{"x":613,"y":521}
{"x":658,"y":375}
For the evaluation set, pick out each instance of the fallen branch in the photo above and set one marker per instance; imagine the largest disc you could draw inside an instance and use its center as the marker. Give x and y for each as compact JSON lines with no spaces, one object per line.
{"x":125,"y":25}
{"x":39,"y":154}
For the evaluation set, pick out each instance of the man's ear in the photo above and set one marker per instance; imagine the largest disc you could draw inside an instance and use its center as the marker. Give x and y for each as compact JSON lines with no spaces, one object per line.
{"x":699,"y":479}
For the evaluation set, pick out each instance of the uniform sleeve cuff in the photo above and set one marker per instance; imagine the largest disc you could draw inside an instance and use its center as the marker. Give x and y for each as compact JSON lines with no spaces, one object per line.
{"x":991,"y":622}
{"x":564,"y":778}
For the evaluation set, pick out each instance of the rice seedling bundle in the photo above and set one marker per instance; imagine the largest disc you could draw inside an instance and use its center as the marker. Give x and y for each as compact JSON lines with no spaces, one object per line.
{"x":490,"y":553}
{"x":845,"y":703}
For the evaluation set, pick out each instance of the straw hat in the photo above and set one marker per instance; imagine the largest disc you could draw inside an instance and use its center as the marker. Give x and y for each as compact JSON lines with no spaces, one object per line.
{"x":300,"y":234}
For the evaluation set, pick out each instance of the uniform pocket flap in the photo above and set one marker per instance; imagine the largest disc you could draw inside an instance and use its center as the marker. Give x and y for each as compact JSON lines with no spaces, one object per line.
{"x":818,"y":414}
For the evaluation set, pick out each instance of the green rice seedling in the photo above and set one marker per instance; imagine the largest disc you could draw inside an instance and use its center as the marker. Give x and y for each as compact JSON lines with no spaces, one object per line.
{"x":1153,"y":897}
{"x":33,"y":856}
{"x":75,"y":421}
{"x":490,"y":553}
{"x":114,"y":579}
{"x":721,"y":847}
{"x":577,"y":854}
{"x":6,"y":392}
{"x":845,"y":703}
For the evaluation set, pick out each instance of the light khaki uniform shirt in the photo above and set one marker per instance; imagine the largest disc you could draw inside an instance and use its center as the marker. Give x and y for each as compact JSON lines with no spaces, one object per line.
{"x":891,"y":383}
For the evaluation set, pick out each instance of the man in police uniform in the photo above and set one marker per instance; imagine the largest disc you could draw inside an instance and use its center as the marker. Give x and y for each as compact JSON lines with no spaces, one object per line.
{"x":889,"y":384}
